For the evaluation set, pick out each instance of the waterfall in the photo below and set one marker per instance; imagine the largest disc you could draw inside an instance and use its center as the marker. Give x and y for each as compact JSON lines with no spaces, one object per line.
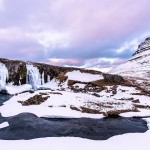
{"x":34,"y":77}
{"x":3,"y":76}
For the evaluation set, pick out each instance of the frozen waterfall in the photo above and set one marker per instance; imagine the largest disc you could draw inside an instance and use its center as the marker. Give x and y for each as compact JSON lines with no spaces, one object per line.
{"x":3,"y":76}
{"x":34,"y":77}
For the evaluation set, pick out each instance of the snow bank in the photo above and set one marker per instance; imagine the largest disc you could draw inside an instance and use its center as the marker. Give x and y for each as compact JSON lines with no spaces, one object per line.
{"x":136,"y":141}
{"x":83,"y":77}
{"x":12,"y":89}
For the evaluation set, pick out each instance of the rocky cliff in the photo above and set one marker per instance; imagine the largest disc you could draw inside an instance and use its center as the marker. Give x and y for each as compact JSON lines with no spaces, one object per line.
{"x":17,"y":72}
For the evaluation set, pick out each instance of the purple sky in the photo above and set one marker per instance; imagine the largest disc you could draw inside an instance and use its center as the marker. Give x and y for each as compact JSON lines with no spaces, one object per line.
{"x":87,"y":33}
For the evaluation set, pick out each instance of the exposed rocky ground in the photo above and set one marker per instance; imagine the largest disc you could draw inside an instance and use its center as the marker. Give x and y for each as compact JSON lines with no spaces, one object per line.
{"x":35,"y":100}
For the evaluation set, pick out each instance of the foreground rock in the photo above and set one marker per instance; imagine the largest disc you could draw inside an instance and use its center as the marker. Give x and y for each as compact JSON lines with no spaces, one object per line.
{"x":28,"y":126}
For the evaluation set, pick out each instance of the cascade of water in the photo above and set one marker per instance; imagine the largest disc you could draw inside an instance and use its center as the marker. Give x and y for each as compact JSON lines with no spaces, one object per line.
{"x":3,"y":75}
{"x":42,"y":80}
{"x":33,"y":76}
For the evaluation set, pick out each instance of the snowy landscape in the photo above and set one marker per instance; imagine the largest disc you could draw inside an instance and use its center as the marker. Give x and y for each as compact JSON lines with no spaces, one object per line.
{"x":72,"y":93}
{"x":74,"y":75}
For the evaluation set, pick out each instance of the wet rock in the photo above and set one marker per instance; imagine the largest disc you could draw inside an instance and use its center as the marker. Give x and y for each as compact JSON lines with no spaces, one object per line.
{"x":95,"y":94}
{"x":113,"y":78}
{"x":3,"y":91}
{"x":136,"y":101}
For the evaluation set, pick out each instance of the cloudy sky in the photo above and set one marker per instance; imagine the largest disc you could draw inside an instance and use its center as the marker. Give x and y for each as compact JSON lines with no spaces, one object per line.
{"x":83,"y":33}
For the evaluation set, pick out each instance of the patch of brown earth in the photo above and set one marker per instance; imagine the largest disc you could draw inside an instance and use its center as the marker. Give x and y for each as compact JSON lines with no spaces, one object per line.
{"x":62,"y":77}
{"x":117,"y":112}
{"x":142,"y":106}
{"x":89,"y":110}
{"x":35,"y":100}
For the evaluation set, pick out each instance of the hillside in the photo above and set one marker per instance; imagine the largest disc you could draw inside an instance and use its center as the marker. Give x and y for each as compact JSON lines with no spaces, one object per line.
{"x":47,"y":90}
{"x":137,"y":68}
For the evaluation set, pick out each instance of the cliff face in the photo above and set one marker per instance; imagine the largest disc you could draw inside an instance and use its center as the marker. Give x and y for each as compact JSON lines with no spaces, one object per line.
{"x":16,"y":71}
{"x":20,"y":72}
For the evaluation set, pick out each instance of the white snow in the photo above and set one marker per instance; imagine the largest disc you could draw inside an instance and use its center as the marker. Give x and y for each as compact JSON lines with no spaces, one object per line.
{"x":12,"y":107}
{"x":12,"y":89}
{"x":54,"y":105}
{"x":83,"y":77}
{"x":4,"y":125}
{"x":135,"y":141}
{"x":138,"y":66}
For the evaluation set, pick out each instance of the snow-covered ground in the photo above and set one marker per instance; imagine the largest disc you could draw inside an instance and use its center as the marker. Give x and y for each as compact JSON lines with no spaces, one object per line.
{"x":60,"y":102}
{"x":136,"y":141}
{"x":83,"y":77}
{"x":18,"y":89}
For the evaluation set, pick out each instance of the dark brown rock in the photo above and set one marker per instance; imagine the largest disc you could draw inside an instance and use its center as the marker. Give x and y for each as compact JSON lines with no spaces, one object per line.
{"x":113,"y":78}
{"x":35,"y":100}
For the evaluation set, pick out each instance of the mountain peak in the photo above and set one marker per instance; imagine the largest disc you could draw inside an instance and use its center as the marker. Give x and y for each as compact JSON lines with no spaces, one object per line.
{"x":138,"y":66}
{"x":144,"y":46}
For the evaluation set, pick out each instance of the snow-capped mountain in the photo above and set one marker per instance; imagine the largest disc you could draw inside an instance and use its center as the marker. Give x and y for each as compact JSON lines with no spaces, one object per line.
{"x":137,"y":68}
{"x":138,"y":65}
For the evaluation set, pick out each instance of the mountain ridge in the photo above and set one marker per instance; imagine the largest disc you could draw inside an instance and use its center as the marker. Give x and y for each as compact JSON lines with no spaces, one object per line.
{"x":137,"y":68}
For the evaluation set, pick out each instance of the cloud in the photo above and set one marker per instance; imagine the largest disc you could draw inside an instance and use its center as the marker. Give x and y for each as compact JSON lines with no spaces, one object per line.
{"x":1,"y":5}
{"x":56,"y":61}
{"x":132,"y":45}
{"x":51,"y":39}
{"x":104,"y":64}
{"x":73,"y":32}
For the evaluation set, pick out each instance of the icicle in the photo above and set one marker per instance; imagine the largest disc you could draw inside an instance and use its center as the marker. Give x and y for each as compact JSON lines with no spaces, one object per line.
{"x":3,"y":76}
